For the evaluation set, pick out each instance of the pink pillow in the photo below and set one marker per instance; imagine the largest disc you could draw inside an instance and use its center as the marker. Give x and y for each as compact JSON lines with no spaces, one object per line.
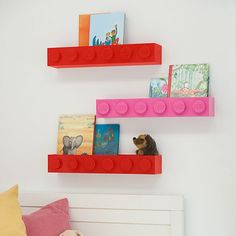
{"x":50,"y":220}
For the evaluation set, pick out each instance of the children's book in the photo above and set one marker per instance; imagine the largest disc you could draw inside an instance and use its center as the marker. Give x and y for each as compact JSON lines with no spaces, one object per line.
{"x":158,"y":88}
{"x":188,"y":80}
{"x":106,"y":139}
{"x":76,"y":134}
{"x":101,"y":29}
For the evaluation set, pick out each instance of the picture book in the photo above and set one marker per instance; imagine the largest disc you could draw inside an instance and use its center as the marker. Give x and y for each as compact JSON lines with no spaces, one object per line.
{"x":101,"y":29}
{"x":76,"y":134}
{"x":188,"y":80}
{"x":158,"y":88}
{"x":84,"y":26}
{"x":106,"y":139}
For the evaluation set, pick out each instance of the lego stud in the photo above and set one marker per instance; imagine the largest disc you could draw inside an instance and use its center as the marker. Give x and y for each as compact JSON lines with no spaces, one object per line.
{"x":71,"y":55}
{"x":89,"y":54}
{"x":159,"y":107}
{"x":89,"y":164}
{"x":108,"y":164}
{"x":107,"y":53}
{"x":144,"y":52}
{"x":72,"y":163}
{"x":145,"y":165}
{"x":126,"y":164}
{"x":55,"y":163}
{"x":179,"y":107}
{"x":125,"y":53}
{"x":140,"y":107}
{"x":103,"y":108}
{"x":199,"y":106}
{"x":54,"y":56}
{"x":121,"y":108}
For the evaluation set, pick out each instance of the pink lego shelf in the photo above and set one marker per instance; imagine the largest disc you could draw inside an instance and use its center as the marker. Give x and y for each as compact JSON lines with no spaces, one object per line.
{"x":105,"y":164}
{"x":114,"y":55}
{"x":155,"y":107}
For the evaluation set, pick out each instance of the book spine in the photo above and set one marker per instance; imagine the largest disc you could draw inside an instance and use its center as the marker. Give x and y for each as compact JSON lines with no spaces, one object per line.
{"x":94,"y":131}
{"x":169,"y":80}
{"x":84,"y":28}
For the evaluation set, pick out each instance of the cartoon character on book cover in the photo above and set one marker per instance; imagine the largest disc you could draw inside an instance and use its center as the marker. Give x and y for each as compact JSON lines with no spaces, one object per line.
{"x":158,"y":88}
{"x":106,"y":29}
{"x":190,"y":80}
{"x":76,"y":134}
{"x":107,"y":139}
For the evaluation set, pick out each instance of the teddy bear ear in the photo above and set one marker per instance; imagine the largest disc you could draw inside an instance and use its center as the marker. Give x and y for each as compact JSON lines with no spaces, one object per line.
{"x":148,"y":137}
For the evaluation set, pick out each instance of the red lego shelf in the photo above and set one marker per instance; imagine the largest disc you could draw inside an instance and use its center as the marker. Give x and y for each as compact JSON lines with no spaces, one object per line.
{"x":114,"y":55}
{"x":105,"y":164}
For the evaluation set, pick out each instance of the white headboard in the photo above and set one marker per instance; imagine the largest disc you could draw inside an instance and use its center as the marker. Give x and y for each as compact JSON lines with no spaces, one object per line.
{"x":117,"y":214}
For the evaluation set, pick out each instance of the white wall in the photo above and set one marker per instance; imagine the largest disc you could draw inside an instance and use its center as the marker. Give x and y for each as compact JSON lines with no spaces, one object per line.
{"x":198,"y":153}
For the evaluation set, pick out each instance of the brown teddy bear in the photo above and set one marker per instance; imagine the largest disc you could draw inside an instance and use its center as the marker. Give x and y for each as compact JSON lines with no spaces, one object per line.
{"x":146,"y":145}
{"x":71,"y":233}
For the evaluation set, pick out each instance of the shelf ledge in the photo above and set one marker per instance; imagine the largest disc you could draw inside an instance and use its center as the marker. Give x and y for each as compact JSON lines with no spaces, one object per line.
{"x":114,"y":55}
{"x":155,"y":107}
{"x":105,"y":164}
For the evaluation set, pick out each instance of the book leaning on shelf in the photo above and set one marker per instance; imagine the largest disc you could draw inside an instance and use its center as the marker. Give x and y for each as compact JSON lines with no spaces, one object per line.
{"x":188,"y":80}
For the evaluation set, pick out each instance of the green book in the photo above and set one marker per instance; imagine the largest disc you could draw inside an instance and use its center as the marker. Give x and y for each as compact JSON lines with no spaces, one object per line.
{"x":188,"y":80}
{"x":158,"y":88}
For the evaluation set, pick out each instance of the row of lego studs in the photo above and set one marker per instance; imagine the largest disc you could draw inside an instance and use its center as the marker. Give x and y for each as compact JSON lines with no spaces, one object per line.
{"x":118,"y":164}
{"x":155,"y":107}
{"x":129,"y":54}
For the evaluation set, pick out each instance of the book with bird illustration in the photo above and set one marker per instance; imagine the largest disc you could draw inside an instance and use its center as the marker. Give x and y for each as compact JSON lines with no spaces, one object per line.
{"x":106,"y":139}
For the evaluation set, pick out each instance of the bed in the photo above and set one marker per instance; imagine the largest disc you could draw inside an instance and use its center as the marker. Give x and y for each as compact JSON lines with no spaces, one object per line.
{"x":116,"y":214}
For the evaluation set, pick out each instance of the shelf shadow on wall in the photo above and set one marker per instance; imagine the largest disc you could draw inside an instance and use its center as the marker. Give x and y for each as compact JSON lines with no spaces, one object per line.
{"x":112,"y":183}
{"x":165,"y":125}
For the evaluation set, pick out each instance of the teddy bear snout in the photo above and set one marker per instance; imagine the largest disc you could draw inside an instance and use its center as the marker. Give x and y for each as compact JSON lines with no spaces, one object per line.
{"x":134,"y":138}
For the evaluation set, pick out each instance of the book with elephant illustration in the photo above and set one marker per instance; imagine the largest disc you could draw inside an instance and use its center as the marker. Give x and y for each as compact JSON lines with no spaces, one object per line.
{"x":106,"y":140}
{"x":188,"y":80}
{"x":101,"y":29}
{"x":76,"y":134}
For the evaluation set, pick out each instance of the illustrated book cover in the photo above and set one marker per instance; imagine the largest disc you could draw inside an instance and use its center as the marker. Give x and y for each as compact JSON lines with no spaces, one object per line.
{"x":158,"y":88}
{"x":188,"y":80}
{"x":76,"y":134}
{"x":106,"y":140}
{"x":101,"y":29}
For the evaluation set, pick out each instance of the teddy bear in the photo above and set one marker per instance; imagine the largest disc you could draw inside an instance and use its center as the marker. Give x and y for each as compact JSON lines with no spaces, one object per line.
{"x":146,"y":145}
{"x":71,"y":233}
